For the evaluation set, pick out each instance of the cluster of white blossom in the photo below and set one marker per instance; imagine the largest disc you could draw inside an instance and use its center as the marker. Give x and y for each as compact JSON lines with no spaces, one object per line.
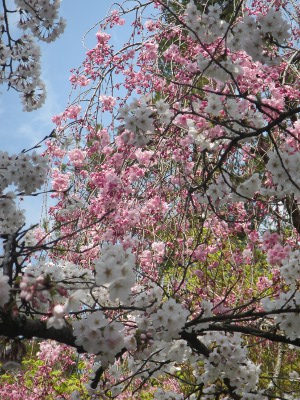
{"x":169,"y":320}
{"x":228,"y":360}
{"x":290,"y":269}
{"x":284,"y":167}
{"x":221,"y":71}
{"x":247,"y":35}
{"x":289,"y":322}
{"x":97,"y":335}
{"x":20,"y":57}
{"x":249,"y":117}
{"x":198,"y":136}
{"x":45,"y":283}
{"x":206,"y":26}
{"x":11,"y":217}
{"x":115,"y":271}
{"x":25,"y":77}
{"x":250,"y":186}
{"x":41,"y":18}
{"x":156,"y":357}
{"x":138,"y":122}
{"x":219,"y":192}
{"x":143,"y":298}
{"x":249,"y":120}
{"x":164,"y":111}
{"x":149,"y":344}
{"x":154,"y":332}
{"x":27,"y":172}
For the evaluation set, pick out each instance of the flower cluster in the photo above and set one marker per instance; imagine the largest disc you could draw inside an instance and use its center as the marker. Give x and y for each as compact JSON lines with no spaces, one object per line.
{"x":246,"y":35}
{"x":77,"y":157}
{"x":160,"y":262}
{"x":115,"y":270}
{"x":290,"y":269}
{"x":47,"y":284}
{"x":169,"y":319}
{"x":27,"y":172}
{"x":229,"y":360}
{"x":284,"y":168}
{"x":138,"y":122}
{"x":288,"y":322}
{"x":96,"y":335}
{"x":23,"y":55}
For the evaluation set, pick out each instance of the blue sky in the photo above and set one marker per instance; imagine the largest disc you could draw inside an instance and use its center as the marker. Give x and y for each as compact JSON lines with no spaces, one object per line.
{"x":20,"y":130}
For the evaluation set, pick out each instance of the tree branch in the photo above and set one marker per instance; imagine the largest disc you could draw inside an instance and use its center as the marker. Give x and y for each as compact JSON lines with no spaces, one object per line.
{"x":28,"y":328}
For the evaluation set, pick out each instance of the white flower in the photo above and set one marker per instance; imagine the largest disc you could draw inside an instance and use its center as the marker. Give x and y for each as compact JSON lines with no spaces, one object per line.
{"x":214,"y":104}
{"x":290,"y":325}
{"x":120,"y":289}
{"x":130,"y":343}
{"x":250,"y":186}
{"x":74,"y":301}
{"x":113,"y":264}
{"x":96,"y":320}
{"x":58,"y":311}
{"x":162,"y":106}
{"x":80,"y":327}
{"x":56,"y":323}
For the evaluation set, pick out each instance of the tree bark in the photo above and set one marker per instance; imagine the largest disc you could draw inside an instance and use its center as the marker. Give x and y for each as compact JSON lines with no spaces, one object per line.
{"x":29,"y":328}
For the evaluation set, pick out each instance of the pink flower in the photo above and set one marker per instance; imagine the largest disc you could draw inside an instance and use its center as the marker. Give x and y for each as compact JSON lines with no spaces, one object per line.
{"x":83,"y":81}
{"x":60,"y":181}
{"x":270,"y":239}
{"x":72,"y":112}
{"x":102,"y":37}
{"x":77,"y":157}
{"x":108,"y":102}
{"x":278,"y":253}
{"x":144,"y":157}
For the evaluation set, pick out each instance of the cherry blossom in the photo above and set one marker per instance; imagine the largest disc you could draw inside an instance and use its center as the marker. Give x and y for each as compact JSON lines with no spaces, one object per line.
{"x":170,"y":255}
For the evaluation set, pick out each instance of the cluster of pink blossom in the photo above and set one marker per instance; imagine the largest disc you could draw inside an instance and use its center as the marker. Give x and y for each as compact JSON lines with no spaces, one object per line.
{"x":60,"y":181}
{"x":80,"y":80}
{"x":276,"y":252}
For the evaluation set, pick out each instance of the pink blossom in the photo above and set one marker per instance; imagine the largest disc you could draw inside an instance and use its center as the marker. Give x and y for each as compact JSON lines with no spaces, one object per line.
{"x":108,"y":102}
{"x":270,"y":239}
{"x":278,"y":253}
{"x":72,"y":111}
{"x":102,"y":37}
{"x":144,"y":157}
{"x":82,"y":80}
{"x":77,"y":157}
{"x":60,"y":181}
